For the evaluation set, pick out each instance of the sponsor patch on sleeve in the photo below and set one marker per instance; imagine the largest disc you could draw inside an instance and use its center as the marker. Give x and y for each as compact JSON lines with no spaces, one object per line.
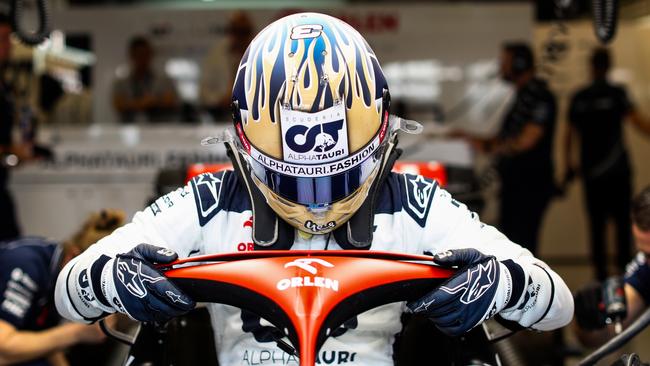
{"x":207,"y":190}
{"x":417,"y":196}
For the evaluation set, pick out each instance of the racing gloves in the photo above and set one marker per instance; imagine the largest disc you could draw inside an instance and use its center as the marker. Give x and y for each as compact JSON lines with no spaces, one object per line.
{"x":129,"y":284}
{"x":483,"y":287}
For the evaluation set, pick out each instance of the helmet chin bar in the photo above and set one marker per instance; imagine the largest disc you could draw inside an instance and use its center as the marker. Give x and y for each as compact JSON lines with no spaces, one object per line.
{"x":327,"y":219}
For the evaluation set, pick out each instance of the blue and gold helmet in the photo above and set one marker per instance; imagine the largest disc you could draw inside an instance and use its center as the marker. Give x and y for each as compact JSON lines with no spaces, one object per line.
{"x":310,"y":107}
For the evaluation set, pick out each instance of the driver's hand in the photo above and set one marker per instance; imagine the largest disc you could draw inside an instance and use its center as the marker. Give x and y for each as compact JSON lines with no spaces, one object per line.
{"x":134,"y":287}
{"x":589,"y":307}
{"x":88,"y":333}
{"x":477,"y":291}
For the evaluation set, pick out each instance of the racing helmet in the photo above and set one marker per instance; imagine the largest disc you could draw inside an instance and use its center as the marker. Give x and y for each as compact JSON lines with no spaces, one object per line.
{"x":310,"y":109}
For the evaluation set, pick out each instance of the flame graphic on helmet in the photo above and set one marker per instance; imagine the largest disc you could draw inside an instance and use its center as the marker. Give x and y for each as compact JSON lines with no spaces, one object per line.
{"x":334,"y":64}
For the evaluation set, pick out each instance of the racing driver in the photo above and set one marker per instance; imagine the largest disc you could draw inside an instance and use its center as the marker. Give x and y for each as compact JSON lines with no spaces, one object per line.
{"x":312,"y":149}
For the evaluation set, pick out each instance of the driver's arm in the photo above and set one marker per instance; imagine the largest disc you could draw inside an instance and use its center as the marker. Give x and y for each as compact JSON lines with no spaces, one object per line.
{"x":540,"y":298}
{"x":171,"y":222}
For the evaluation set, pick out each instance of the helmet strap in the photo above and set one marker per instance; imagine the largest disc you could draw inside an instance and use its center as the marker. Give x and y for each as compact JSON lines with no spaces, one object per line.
{"x":269,"y":232}
{"x":357,"y":232}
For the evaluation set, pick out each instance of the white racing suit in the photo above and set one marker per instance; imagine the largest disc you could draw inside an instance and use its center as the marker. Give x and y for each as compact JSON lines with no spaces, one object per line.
{"x":212,"y":214}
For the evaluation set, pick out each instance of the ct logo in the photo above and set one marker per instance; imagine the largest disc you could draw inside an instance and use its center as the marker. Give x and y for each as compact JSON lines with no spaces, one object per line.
{"x":320,"y":138}
{"x":306,"y":264}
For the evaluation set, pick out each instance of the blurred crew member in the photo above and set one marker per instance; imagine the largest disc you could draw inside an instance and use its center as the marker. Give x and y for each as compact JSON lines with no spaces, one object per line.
{"x":8,"y":223}
{"x":590,"y":316}
{"x":220,"y":66}
{"x":29,"y":334}
{"x":596,"y":116}
{"x":524,"y":148}
{"x":144,"y":94}
{"x":313,"y":154}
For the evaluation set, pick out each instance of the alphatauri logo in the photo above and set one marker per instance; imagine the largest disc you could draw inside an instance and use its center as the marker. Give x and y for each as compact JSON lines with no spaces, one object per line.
{"x":308,"y":265}
{"x":319,"y":138}
{"x":314,"y":138}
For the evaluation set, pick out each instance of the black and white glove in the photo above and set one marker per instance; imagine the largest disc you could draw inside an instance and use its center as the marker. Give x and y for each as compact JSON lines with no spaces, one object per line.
{"x":481,"y":288}
{"x":127,"y":283}
{"x":134,"y":287}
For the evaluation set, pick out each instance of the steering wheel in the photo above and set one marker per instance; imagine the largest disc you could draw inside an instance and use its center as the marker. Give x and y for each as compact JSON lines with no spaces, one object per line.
{"x":306,"y":294}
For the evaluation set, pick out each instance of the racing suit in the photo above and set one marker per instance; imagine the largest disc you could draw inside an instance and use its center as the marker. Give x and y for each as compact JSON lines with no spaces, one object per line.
{"x":212,"y":214}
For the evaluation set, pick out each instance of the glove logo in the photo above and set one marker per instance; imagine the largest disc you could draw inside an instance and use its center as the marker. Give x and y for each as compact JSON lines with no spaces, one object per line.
{"x":130,"y":275}
{"x":531,"y":294}
{"x":175,"y":297}
{"x":479,"y":280}
{"x":84,"y":286}
{"x":118,"y":305}
{"x":166,"y":252}
{"x":492,"y":312}
{"x":424,"y":306}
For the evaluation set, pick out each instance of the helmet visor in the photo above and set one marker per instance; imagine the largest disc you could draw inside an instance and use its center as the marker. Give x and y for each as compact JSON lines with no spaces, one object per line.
{"x":316,"y":191}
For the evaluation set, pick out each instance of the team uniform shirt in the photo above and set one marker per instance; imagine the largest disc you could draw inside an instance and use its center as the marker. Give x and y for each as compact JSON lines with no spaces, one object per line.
{"x":212,"y":214}
{"x":597,"y":112}
{"x":637,"y":275}
{"x":28,"y":271}
{"x":534,"y":103}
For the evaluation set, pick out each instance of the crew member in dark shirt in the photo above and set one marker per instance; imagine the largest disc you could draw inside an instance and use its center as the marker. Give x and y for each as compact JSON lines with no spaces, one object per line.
{"x":29,"y":330}
{"x":596,"y":116}
{"x":8,"y":224}
{"x":523,"y":148}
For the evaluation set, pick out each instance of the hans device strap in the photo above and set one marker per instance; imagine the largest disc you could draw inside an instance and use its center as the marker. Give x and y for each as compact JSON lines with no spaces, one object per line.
{"x":269,"y":232}
{"x":357,"y":232}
